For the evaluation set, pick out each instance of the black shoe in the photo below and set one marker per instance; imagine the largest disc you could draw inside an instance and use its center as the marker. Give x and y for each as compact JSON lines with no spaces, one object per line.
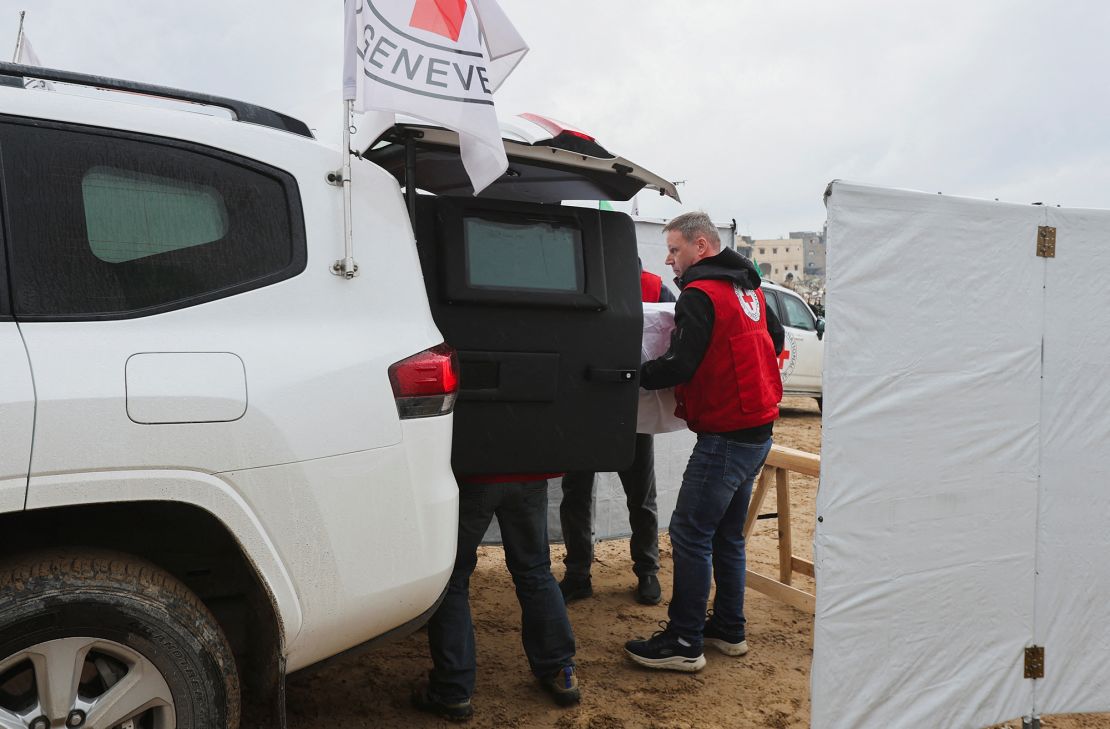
{"x":563,"y":686}
{"x":731,"y":644}
{"x":423,"y":699}
{"x":576,"y":588}
{"x":648,"y":592}
{"x":663,"y":650}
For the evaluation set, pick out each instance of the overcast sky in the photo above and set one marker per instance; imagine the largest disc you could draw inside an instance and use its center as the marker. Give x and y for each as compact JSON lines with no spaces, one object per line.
{"x":757,"y":105}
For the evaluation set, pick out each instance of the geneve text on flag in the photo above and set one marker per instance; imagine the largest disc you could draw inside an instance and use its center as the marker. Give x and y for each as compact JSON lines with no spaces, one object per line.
{"x":438,"y":60}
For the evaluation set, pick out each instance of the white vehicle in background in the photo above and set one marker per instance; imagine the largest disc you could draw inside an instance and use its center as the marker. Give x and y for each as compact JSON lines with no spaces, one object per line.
{"x":219,"y":462}
{"x":803,"y":353}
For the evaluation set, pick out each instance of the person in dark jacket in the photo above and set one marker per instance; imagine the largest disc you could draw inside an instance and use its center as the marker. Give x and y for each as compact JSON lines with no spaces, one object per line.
{"x":576,"y":515}
{"x":723,"y":365}
{"x":519,"y":502}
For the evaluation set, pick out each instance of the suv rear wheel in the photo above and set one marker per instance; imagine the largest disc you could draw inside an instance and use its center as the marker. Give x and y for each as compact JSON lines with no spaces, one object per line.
{"x":109,"y":641}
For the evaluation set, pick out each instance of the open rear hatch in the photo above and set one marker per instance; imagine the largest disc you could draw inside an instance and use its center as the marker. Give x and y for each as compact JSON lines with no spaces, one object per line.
{"x":541,"y":300}
{"x":548,"y":162}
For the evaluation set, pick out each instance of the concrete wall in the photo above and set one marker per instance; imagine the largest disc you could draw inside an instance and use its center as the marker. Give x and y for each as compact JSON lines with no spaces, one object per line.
{"x":783,"y":255}
{"x":813,"y":245}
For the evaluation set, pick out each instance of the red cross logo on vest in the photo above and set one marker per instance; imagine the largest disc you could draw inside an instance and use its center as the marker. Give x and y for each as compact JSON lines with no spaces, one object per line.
{"x":442,"y":17}
{"x":749,"y":302}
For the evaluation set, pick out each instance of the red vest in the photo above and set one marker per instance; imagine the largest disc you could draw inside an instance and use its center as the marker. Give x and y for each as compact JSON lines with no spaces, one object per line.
{"x":650,"y":287}
{"x":737,"y":385}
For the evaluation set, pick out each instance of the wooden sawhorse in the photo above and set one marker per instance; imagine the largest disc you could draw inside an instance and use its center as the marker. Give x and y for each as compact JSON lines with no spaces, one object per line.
{"x":780,"y":462}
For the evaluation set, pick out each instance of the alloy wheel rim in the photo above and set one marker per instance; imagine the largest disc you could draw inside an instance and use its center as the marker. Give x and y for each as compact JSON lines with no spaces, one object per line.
{"x":83,"y":683}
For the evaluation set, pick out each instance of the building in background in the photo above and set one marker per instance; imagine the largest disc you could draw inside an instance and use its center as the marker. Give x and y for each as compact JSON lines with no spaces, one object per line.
{"x":813,"y":250}
{"x":778,"y":257}
{"x":744,"y":245}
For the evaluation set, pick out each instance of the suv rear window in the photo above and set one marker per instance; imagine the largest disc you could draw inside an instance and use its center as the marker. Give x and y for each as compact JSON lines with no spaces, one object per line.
{"x":111,"y":226}
{"x":131,"y":215}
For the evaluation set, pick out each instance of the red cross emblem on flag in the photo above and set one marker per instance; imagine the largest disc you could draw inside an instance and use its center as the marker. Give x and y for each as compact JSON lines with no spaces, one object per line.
{"x":442,"y":17}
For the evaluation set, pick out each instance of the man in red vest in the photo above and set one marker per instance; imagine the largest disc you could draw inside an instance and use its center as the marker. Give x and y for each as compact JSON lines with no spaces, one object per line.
{"x":722,"y":363}
{"x":638,"y":481}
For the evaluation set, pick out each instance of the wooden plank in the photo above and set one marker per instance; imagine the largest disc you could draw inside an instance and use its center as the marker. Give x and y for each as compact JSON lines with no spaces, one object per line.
{"x":794,"y":460}
{"x":786,"y":541}
{"x":783,"y":593}
{"x":802,"y":566}
{"x":757,"y":499}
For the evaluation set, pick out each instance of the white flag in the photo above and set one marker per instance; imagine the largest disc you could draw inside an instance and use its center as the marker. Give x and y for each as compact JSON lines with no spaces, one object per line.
{"x":25,"y":54}
{"x":438,"y":60}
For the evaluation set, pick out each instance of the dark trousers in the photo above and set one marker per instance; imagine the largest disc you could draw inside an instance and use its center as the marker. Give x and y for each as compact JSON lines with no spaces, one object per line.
{"x":707,"y":534}
{"x":521,"y":510}
{"x":577,"y":516}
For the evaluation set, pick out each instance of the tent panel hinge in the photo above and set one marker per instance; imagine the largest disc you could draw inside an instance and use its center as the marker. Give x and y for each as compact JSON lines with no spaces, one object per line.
{"x":1034,"y":661}
{"x":1046,"y":241}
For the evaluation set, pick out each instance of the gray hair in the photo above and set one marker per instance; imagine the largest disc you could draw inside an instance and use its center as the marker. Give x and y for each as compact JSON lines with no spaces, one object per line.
{"x":692,"y":225}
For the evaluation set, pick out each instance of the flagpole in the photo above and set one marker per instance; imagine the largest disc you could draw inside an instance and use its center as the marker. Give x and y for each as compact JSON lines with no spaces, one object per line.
{"x":18,"y":37}
{"x":347,"y":267}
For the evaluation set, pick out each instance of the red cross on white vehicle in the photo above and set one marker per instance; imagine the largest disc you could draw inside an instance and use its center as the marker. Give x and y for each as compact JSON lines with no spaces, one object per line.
{"x":800,"y":361}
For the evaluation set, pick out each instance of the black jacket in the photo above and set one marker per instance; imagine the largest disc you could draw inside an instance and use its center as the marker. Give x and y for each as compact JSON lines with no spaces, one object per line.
{"x":693,"y":320}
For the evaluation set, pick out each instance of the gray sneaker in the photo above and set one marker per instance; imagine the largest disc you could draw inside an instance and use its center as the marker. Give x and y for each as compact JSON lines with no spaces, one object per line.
{"x":731,"y":644}
{"x":563,"y":686}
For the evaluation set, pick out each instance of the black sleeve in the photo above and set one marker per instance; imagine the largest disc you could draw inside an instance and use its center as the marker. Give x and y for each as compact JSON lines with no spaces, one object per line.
{"x":693,"y":326}
{"x":774,"y":328}
{"x":665,"y":295}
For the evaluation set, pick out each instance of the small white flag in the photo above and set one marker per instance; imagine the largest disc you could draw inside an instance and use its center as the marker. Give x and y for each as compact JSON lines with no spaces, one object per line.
{"x":438,"y":60}
{"x":25,"y":54}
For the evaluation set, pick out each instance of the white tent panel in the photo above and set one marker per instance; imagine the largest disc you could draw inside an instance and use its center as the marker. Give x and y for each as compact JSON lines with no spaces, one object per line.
{"x":1073,"y":551}
{"x":928,"y":500}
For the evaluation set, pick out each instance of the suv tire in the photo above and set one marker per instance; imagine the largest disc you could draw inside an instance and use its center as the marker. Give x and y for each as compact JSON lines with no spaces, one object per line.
{"x":111,"y":622}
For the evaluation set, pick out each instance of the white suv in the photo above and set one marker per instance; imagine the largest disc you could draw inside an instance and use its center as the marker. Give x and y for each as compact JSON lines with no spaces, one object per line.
{"x":803,"y":355}
{"x":219,"y":462}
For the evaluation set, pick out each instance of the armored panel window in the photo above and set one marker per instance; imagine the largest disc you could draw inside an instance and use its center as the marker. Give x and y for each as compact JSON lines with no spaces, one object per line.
{"x":114,"y":225}
{"x":538,"y":256}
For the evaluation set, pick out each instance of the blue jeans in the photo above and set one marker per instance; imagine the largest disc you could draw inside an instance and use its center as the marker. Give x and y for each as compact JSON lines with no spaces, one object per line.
{"x":521,"y":510}
{"x":707,"y":534}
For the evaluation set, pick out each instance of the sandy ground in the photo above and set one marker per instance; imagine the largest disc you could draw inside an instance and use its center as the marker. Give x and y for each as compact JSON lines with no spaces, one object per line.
{"x":767,"y":688}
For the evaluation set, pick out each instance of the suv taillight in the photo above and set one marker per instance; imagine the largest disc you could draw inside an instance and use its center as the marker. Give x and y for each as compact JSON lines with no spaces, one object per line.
{"x":426,"y":383}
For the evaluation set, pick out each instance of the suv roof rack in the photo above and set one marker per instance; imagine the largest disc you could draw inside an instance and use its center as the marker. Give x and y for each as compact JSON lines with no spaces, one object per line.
{"x":242,"y":110}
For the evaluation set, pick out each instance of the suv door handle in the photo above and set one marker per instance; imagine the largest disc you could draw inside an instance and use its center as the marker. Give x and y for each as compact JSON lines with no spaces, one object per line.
{"x":595,"y":374}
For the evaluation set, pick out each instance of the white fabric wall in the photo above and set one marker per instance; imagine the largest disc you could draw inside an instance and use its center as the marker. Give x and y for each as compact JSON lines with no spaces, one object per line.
{"x":963,"y":503}
{"x":1073,"y":521}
